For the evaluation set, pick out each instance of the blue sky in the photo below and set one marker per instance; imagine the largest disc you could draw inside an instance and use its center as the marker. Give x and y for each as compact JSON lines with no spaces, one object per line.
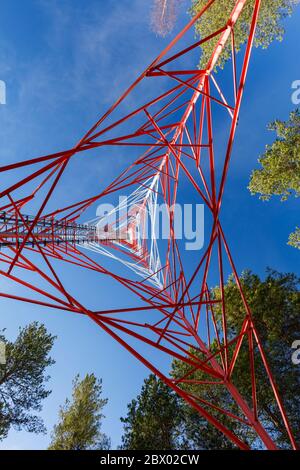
{"x":64,"y":62}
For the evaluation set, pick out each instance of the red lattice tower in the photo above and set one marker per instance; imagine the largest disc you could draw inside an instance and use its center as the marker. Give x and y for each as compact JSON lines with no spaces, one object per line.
{"x":176,"y":312}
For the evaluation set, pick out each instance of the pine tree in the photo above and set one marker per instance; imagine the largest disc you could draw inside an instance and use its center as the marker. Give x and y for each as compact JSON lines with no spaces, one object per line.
{"x":269,"y":27}
{"x":275,"y":305}
{"x":23,"y":379}
{"x":80,"y":420}
{"x":159,"y":420}
{"x":154,"y":419}
{"x":279,"y":174}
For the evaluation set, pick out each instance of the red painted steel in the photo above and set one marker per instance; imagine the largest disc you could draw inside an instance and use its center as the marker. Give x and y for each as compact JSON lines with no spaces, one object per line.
{"x":178,"y":318}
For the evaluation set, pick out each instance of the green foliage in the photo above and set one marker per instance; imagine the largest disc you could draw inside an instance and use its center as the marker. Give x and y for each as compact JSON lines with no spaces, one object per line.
{"x":279,"y":174}
{"x":79,"y":427}
{"x":294,"y":238}
{"x":269,"y":26}
{"x":197,"y":431}
{"x":153,"y":419}
{"x":22,"y":379}
{"x":159,"y":420}
{"x":275,"y":304}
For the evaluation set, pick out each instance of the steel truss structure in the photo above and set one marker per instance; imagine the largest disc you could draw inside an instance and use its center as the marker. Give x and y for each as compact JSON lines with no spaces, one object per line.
{"x":176,"y":313}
